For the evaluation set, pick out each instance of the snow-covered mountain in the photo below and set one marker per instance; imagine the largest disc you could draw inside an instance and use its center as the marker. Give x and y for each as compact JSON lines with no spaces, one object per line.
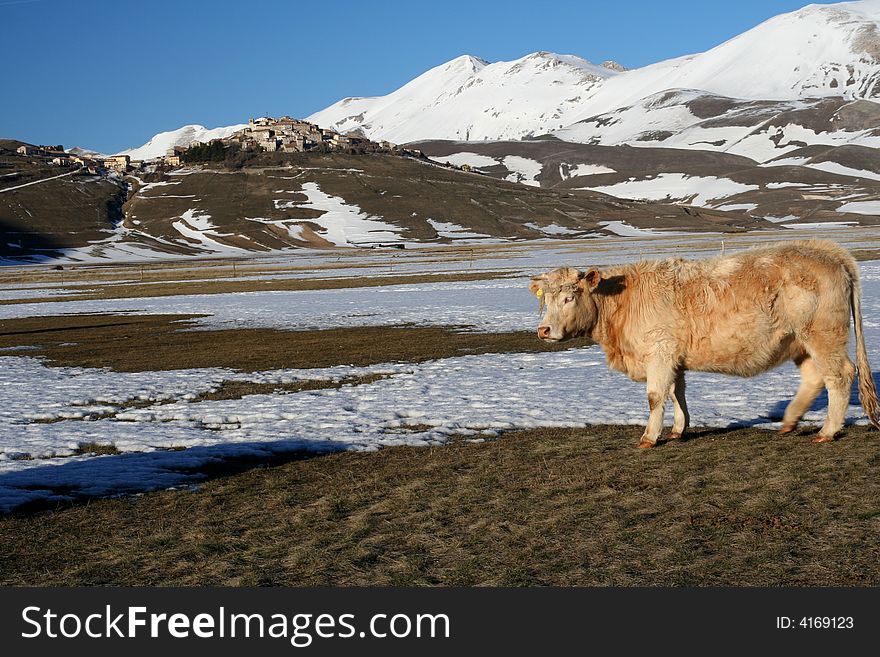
{"x":817,"y":51}
{"x":470,"y":99}
{"x":85,"y":152}
{"x":762,"y":130}
{"x":181,"y":137}
{"x":820,"y":50}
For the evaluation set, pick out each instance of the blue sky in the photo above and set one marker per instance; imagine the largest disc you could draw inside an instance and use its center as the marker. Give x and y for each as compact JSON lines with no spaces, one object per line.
{"x":109,"y":74}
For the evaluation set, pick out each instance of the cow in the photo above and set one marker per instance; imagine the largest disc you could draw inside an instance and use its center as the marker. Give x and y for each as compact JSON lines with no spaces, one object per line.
{"x":740,"y":314}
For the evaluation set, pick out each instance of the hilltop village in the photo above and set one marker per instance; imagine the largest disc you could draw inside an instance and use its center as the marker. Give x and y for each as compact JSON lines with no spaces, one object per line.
{"x":261,"y":135}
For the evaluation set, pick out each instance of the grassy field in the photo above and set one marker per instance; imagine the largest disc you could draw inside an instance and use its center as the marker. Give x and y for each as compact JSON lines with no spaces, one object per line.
{"x":538,"y":507}
{"x":136,"y":343}
{"x":544,"y":507}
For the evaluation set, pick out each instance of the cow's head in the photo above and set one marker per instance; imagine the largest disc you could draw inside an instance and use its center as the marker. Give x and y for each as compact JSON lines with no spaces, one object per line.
{"x":569,"y":310}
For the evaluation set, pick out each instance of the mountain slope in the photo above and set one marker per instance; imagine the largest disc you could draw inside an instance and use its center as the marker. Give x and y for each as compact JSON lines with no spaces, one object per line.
{"x":292,"y":200}
{"x":470,"y":99}
{"x":759,"y":129}
{"x":809,"y":184}
{"x":818,"y":51}
{"x":184,"y":136}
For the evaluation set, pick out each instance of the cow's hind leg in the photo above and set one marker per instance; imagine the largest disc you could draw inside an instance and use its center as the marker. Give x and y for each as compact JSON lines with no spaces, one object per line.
{"x":660,"y":378}
{"x":838,"y":373}
{"x":682,"y":417}
{"x":811,"y":386}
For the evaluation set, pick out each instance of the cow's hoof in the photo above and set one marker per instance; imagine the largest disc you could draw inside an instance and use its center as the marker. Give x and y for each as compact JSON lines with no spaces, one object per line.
{"x":787,"y":428}
{"x":675,"y":435}
{"x":646,"y":444}
{"x":823,"y":439}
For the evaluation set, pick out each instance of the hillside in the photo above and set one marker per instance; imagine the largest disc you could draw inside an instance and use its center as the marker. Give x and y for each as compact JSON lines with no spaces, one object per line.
{"x":347,"y":200}
{"x":808,"y":184}
{"x":327,"y":200}
{"x":63,"y":212}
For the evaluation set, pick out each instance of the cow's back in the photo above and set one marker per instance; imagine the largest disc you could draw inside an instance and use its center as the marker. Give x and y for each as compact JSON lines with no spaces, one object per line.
{"x":751,"y":311}
{"x":739,"y":314}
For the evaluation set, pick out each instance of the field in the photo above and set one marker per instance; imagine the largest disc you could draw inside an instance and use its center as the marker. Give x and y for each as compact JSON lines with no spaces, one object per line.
{"x":361,"y":417}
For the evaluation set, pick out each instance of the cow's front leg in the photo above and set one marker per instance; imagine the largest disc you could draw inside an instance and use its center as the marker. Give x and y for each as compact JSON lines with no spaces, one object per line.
{"x":682,"y":417}
{"x":660,"y":378}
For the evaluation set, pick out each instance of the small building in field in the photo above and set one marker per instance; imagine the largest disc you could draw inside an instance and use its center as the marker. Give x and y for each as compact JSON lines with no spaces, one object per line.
{"x":27,"y":150}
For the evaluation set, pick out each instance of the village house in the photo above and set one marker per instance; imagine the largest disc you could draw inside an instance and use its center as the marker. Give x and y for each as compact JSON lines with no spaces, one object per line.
{"x":27,"y":150}
{"x":118,"y":162}
{"x":61,"y":161}
{"x":294,"y":144}
{"x":289,"y":135}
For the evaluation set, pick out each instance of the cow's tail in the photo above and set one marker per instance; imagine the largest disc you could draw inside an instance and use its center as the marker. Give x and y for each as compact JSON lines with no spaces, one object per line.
{"x":867,"y":389}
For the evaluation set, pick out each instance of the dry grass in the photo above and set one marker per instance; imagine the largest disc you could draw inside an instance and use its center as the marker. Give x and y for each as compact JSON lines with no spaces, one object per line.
{"x":238,"y":389}
{"x":543,"y":507}
{"x":174,"y":288}
{"x":137,"y":343}
{"x":98,"y":449}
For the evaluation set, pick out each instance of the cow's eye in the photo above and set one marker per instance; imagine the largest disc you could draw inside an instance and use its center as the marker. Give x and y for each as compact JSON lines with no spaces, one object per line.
{"x":568,"y":300}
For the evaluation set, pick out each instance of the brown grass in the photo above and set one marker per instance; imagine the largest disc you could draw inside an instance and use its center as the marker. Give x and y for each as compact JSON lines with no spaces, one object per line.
{"x":174,"y":288}
{"x":543,"y":507}
{"x":137,"y":343}
{"x":96,"y":448}
{"x":239,"y":389}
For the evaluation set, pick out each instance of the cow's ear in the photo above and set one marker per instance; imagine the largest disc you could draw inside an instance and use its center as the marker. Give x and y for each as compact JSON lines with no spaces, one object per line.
{"x":590,"y":279}
{"x":537,"y":285}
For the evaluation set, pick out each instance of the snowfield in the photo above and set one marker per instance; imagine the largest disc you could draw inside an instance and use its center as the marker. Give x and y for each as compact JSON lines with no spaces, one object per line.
{"x":48,"y":412}
{"x":696,"y":190}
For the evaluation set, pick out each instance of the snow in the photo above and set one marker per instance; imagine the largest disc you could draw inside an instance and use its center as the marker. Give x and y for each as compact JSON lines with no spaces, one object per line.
{"x":160,"y":143}
{"x":834,"y":167}
{"x":43,"y":423}
{"x":523,"y":170}
{"x":814,"y":52}
{"x":344,"y":223}
{"x":626,"y":230}
{"x":553,"y":229}
{"x":738,"y":207}
{"x":197,"y":228}
{"x":485,"y":305}
{"x":469,"y":99}
{"x":861,"y":207}
{"x":453,"y":231}
{"x":798,"y":54}
{"x":471,"y":159}
{"x":822,"y":224}
{"x":293,"y":229}
{"x":695,"y":190}
{"x":589,"y":170}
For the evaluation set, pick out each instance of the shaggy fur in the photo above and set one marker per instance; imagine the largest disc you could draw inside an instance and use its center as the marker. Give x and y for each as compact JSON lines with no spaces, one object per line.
{"x":740,"y":314}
